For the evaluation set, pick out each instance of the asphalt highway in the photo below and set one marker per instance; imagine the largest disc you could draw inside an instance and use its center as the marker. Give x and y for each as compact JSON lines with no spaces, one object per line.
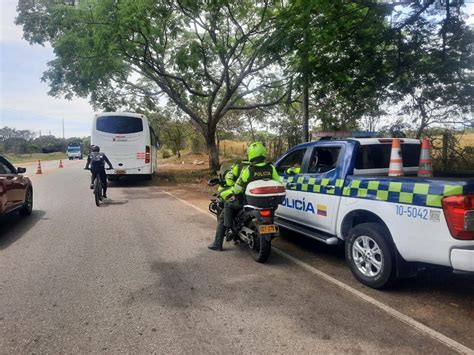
{"x":135,"y":276}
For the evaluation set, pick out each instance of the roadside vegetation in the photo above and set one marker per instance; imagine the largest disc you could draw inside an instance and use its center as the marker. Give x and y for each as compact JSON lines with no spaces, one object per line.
{"x":22,"y":146}
{"x":34,"y":157}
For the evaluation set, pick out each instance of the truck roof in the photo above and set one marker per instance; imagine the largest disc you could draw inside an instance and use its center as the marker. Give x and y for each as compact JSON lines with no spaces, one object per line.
{"x":366,"y":141}
{"x":350,"y":140}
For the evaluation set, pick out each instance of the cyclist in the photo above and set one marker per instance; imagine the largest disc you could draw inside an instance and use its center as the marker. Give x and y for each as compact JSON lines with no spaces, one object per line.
{"x":96,"y":160}
{"x":258,"y":169}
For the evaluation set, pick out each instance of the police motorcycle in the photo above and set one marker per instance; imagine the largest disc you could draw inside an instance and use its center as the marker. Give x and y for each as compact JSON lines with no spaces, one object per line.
{"x":254,"y":222}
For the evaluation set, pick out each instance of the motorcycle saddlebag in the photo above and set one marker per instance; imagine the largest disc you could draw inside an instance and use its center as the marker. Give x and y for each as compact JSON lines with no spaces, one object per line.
{"x":265,"y":194}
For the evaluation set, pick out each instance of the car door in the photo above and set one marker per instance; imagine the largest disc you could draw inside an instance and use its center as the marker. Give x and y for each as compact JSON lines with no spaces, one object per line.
{"x":8,"y":186}
{"x":323,"y":194}
{"x":291,"y":208}
{"x":14,"y":185}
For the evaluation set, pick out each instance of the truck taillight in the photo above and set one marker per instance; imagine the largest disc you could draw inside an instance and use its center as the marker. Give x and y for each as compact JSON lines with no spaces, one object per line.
{"x":147,"y":154}
{"x":459,"y":213}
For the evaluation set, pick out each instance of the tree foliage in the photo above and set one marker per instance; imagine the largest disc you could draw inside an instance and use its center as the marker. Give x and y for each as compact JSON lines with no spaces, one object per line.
{"x":340,"y":47}
{"x":226,"y":65}
{"x":433,"y":64}
{"x":207,"y":57}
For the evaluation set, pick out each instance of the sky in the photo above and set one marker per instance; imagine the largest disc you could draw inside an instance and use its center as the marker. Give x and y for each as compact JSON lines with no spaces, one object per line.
{"x":24,"y":102}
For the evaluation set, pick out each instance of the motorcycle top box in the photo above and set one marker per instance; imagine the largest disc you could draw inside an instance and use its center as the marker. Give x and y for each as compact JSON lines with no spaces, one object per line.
{"x":265,"y":194}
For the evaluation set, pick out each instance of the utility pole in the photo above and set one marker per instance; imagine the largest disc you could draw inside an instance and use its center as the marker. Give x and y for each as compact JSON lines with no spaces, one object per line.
{"x":63,"y":128}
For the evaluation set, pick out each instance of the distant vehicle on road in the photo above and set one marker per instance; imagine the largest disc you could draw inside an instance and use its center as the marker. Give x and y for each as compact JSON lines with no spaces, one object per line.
{"x":129,"y":142}
{"x":74,"y":151}
{"x":390,"y":225}
{"x":16,"y":190}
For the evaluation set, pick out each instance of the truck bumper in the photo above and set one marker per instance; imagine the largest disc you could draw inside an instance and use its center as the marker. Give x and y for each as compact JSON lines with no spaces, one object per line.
{"x":462,"y":259}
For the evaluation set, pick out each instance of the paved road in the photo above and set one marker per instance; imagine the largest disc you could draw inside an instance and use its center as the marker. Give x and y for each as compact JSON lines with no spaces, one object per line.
{"x":135,"y":276}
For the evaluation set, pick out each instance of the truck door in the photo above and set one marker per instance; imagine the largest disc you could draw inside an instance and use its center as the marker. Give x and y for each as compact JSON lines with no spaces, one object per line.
{"x":296,"y":159}
{"x":325,"y":187}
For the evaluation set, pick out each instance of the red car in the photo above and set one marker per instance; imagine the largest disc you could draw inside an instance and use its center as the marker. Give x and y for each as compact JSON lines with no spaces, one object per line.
{"x":16,"y":190}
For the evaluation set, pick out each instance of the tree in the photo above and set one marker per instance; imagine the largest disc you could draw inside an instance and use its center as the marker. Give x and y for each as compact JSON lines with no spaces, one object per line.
{"x":173,"y":127}
{"x":207,"y":57}
{"x":7,"y":132}
{"x":433,"y":64}
{"x":336,"y":53}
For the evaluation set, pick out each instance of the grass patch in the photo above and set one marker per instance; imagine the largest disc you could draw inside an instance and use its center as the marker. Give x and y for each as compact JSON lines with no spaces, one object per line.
{"x":30,"y":158}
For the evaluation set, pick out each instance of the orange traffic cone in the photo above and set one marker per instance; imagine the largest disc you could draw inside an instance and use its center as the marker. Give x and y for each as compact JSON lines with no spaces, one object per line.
{"x":38,"y":169}
{"x":396,"y":162}
{"x":426,"y":167}
{"x":61,"y":163}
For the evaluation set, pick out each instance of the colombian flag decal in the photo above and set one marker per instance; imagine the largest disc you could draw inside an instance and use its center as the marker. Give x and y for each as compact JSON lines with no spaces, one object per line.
{"x":322,"y":210}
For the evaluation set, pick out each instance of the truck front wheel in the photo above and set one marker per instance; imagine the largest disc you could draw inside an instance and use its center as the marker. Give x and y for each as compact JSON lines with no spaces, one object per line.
{"x":370,"y":256}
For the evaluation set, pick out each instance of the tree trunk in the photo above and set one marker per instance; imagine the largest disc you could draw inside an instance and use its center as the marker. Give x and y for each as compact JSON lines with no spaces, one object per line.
{"x":305,"y":63}
{"x":419,"y":132}
{"x":213,"y":153}
{"x":305,"y":136}
{"x":445,"y":150}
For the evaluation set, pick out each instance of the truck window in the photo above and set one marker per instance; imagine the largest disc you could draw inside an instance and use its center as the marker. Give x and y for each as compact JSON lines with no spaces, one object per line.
{"x":294,"y":159}
{"x":377,"y":156}
{"x":323,"y":159}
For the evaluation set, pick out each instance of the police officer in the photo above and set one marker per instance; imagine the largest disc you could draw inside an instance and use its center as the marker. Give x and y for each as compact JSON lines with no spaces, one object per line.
{"x":294,"y":170}
{"x":230,"y":177}
{"x":258,"y":169}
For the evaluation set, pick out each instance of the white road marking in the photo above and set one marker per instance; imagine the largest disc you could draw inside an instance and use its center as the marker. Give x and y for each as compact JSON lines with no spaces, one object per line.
{"x":420,"y":327}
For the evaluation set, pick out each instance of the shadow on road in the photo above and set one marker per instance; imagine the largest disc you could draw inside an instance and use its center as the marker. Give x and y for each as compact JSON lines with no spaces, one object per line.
{"x":430,"y":279}
{"x":14,"y":226}
{"x":197,"y":285}
{"x":110,"y":202}
{"x":130,"y":181}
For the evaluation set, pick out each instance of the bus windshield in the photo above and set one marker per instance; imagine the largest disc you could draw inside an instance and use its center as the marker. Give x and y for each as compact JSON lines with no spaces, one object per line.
{"x":119,"y":124}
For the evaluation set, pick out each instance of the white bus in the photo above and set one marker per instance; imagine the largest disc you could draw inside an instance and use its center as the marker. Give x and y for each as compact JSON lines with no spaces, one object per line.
{"x":128,"y":141}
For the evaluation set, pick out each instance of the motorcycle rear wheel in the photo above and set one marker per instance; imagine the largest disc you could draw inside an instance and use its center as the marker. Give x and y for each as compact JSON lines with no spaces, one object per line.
{"x":262,"y":247}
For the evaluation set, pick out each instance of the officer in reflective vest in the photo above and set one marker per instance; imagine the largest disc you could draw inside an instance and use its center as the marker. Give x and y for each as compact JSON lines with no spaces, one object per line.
{"x":230,"y":177}
{"x":257,"y":170}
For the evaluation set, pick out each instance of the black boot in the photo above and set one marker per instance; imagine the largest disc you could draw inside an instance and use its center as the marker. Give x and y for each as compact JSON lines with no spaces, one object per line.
{"x":217,"y":244}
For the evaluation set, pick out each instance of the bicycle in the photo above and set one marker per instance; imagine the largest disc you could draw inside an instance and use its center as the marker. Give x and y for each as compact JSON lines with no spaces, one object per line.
{"x":97,"y":189}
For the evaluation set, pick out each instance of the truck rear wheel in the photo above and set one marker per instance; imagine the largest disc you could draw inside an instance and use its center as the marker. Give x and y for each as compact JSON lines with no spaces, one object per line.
{"x":370,"y":256}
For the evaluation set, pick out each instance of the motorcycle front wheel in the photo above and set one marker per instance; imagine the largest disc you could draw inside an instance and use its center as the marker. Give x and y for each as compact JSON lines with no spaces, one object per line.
{"x":261,"y":248}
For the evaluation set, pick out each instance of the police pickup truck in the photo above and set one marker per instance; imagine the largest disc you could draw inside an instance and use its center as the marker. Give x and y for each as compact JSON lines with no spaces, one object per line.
{"x":340,"y":192}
